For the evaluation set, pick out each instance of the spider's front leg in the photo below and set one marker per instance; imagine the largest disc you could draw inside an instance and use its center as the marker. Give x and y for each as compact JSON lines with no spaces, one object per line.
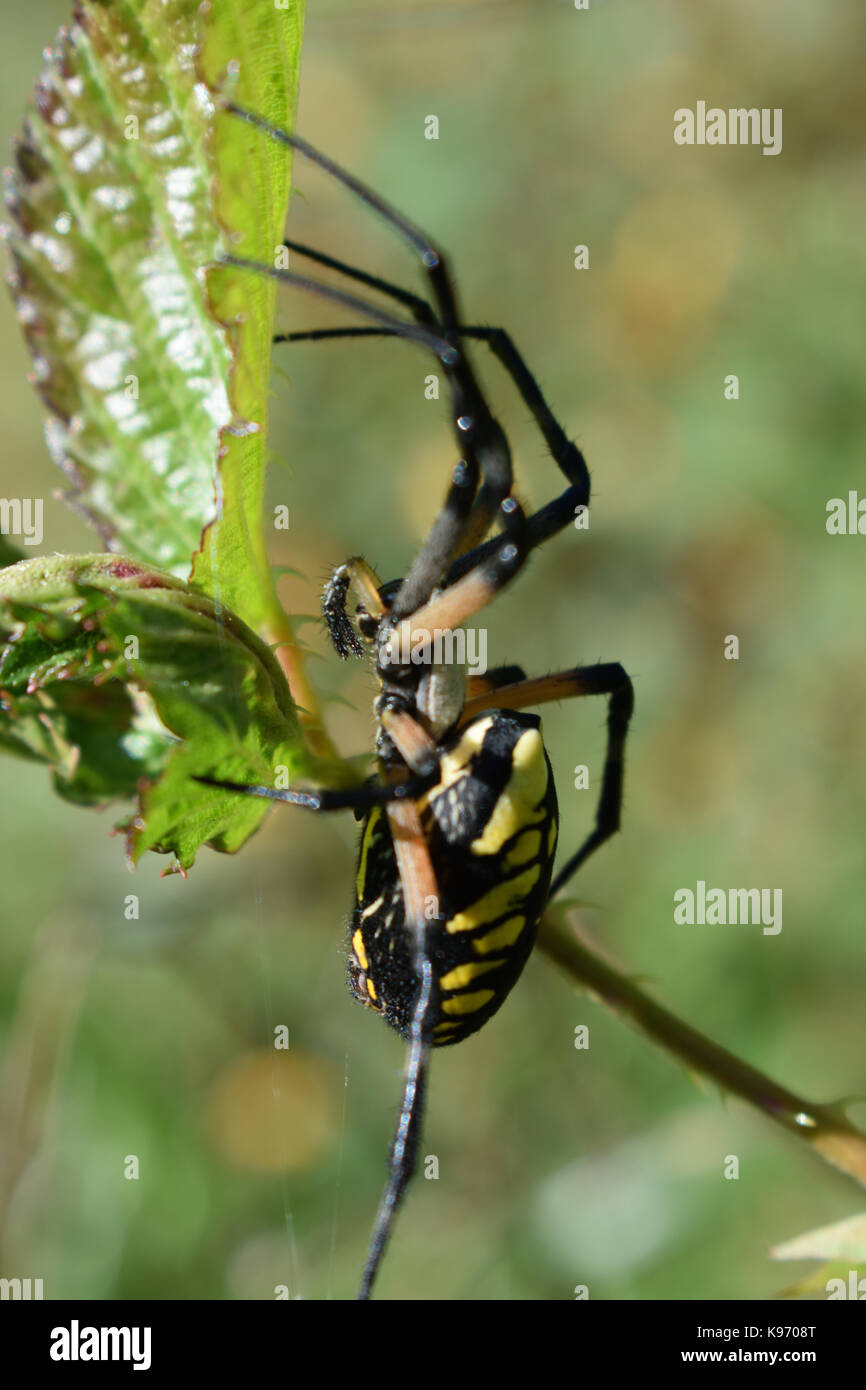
{"x":357,"y":574}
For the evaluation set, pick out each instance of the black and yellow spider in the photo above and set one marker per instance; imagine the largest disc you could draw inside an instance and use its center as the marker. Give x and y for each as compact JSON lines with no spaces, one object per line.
{"x":455,"y":866}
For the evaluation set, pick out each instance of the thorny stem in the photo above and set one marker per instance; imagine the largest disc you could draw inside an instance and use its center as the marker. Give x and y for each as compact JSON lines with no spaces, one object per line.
{"x":824,"y":1127}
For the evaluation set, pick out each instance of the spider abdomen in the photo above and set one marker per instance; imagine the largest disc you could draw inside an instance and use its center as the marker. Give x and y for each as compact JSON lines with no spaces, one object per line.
{"x":491,"y":824}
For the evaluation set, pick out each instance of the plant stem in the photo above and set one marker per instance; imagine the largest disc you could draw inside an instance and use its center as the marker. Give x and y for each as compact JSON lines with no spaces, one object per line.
{"x":280,"y":636}
{"x":825,"y":1127}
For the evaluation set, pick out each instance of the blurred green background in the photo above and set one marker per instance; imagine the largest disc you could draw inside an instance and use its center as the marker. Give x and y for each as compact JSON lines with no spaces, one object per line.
{"x":557,"y":1167}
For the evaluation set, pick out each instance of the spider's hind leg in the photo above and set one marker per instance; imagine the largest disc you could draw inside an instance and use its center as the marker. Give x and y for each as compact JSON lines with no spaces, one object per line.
{"x":418,"y":881}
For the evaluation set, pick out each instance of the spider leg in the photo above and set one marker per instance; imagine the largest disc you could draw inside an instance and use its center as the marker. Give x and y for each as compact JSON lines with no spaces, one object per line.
{"x":314,"y":335}
{"x":555,"y":515}
{"x":493,"y":679}
{"x":419,"y":885}
{"x":540,"y":526}
{"x":430,"y":337}
{"x":480,"y":435}
{"x":563,"y":450}
{"x":478,"y":431}
{"x":420,"y":889}
{"x":456,"y":604}
{"x":430,"y":258}
{"x":428,"y":566}
{"x":416,"y":303}
{"x":441,"y":541}
{"x":354,"y":573}
{"x":450,"y":527}
{"x":410,"y":738}
{"x":414,"y":745}
{"x":607,"y":678}
{"x":336,"y":798}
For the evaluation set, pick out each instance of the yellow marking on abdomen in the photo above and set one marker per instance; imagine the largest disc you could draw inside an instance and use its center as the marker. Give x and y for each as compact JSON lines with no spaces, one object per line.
{"x":518,"y":802}
{"x":504,"y":935}
{"x":463,"y":975}
{"x":502,"y":898}
{"x":358,"y":948}
{"x":527,"y":846}
{"x":447,"y":1026}
{"x":454,"y":766}
{"x":374,"y":907}
{"x":366,"y":840}
{"x":460,"y":757}
{"x":371,"y":989}
{"x":468,"y":1003}
{"x":551,"y":838}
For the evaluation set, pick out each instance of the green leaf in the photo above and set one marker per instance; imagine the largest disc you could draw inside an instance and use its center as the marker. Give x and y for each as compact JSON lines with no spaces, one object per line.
{"x":9,"y":553}
{"x":111,"y":201}
{"x":154,"y":367}
{"x":121,"y":676}
{"x":119,"y":203}
{"x":844,"y":1240}
{"x":841,"y":1248}
{"x":261,"y":44}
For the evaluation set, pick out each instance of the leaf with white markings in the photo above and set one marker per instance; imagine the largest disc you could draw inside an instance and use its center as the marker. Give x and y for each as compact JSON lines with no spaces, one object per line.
{"x":153,"y":365}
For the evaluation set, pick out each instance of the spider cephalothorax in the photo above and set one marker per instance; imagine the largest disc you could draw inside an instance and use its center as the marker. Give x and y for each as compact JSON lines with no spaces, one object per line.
{"x":459,"y":823}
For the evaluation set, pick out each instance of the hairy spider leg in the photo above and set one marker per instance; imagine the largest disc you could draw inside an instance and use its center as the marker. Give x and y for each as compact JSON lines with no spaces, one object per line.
{"x":355,"y":574}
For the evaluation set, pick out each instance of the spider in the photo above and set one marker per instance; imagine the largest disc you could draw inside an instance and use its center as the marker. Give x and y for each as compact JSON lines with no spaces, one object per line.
{"x":459,"y":824}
